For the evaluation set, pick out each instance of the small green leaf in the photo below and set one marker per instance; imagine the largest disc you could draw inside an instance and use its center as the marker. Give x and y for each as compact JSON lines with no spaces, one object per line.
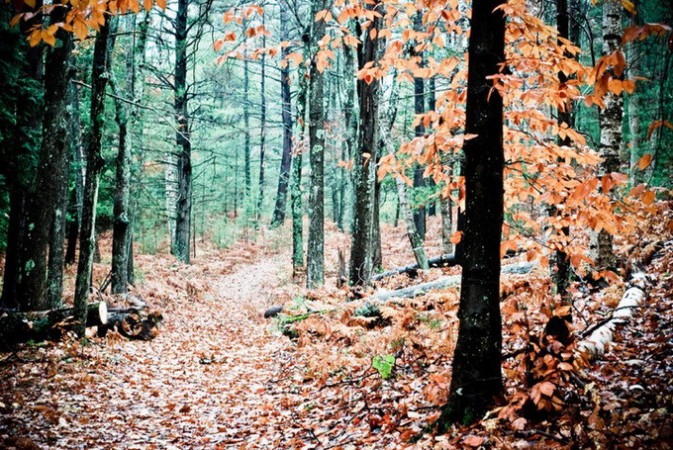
{"x":384,"y":365}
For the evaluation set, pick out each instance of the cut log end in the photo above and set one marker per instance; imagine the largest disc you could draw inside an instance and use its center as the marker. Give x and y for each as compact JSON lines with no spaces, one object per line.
{"x":102,"y":313}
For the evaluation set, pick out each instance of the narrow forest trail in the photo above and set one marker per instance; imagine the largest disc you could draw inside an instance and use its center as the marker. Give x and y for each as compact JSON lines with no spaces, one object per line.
{"x":201,"y":383}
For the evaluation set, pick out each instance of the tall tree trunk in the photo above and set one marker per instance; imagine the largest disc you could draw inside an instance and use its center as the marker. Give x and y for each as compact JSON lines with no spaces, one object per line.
{"x":56,"y":260}
{"x":432,"y":105}
{"x":94,"y":166}
{"x":52,"y":171}
{"x":350,"y":124}
{"x":77,"y":169}
{"x":377,"y":252}
{"x":246,"y":124}
{"x":295,"y":180}
{"x":445,"y":209}
{"x":126,"y":118}
{"x":121,"y":227}
{"x":419,"y":108}
{"x":361,"y":259}
{"x":445,"y":204}
{"x":170,"y":186}
{"x":476,"y":377}
{"x":286,"y":118}
{"x":560,"y":263}
{"x":262,"y":131}
{"x":25,"y":141}
{"x":297,"y":216}
{"x":610,"y":121}
{"x":315,"y":253}
{"x":183,"y":229}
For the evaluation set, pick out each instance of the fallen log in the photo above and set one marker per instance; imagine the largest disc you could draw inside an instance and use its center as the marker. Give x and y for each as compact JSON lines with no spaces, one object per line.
{"x":420,"y":289}
{"x":19,"y":326}
{"x":447,"y":260}
{"x":600,"y":336}
{"x":132,"y":323}
{"x":444,"y":282}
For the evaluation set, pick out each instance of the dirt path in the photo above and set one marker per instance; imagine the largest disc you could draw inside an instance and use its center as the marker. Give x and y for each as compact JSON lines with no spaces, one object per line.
{"x":200,"y":384}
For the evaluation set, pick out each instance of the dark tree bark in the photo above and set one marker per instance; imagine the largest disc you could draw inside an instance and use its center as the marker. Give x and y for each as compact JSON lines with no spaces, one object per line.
{"x":24,"y":141}
{"x":121,"y":227}
{"x":560,"y":263}
{"x":419,"y":108}
{"x":377,"y":252}
{"x":476,"y":379}
{"x":31,"y":288}
{"x":286,"y":118}
{"x":362,"y":246}
{"x":315,"y":260}
{"x":94,"y":166}
{"x":181,"y":249}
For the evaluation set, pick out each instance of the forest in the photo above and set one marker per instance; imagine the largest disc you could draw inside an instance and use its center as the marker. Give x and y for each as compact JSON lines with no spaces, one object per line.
{"x":336,"y":224}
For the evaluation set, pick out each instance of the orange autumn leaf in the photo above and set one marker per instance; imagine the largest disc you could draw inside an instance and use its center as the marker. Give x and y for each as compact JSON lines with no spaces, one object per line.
{"x":473,"y":441}
{"x":644,"y":162}
{"x":456,"y":237}
{"x":629,"y":6}
{"x":658,"y":124}
{"x":649,"y":197}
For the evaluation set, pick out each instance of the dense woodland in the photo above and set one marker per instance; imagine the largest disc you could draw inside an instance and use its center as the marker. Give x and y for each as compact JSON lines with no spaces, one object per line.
{"x":443,"y":209}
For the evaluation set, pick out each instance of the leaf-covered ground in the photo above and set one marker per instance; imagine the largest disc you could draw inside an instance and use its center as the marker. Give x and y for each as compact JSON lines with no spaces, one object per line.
{"x":219,"y":376}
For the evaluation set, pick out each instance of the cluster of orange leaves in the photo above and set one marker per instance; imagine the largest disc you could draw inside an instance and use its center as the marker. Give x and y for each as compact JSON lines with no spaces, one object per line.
{"x":81,"y":16}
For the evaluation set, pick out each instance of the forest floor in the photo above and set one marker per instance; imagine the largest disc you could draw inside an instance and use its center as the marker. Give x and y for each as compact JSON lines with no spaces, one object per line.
{"x":220,"y":376}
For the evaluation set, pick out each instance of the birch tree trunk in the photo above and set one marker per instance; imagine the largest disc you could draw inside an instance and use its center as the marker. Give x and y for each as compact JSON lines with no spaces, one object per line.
{"x":610,"y":121}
